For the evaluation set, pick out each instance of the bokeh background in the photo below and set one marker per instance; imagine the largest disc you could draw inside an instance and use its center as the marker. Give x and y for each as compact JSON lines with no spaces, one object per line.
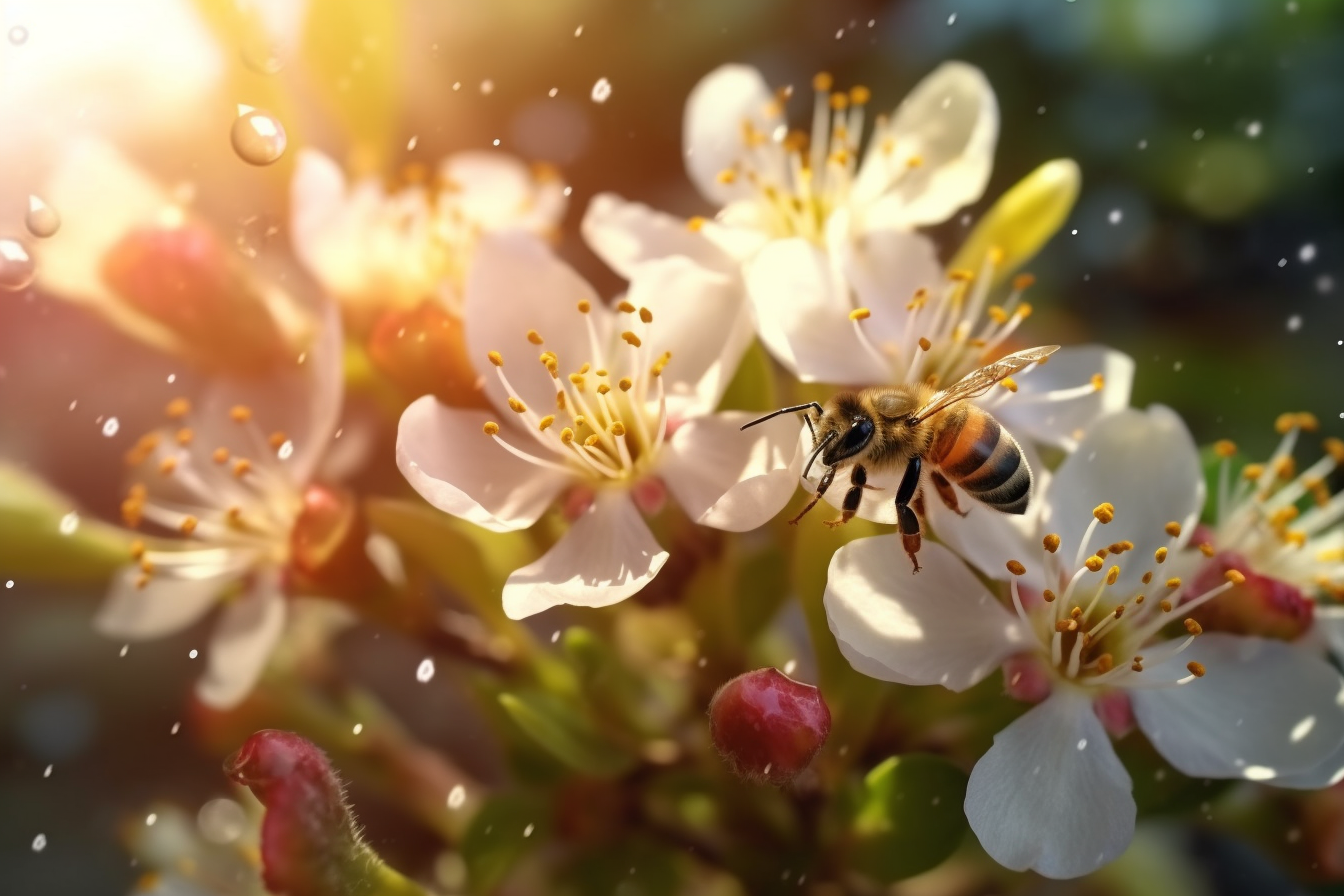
{"x":1207,"y":243}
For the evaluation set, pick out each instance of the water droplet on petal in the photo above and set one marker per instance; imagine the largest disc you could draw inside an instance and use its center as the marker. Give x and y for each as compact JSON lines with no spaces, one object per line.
{"x":601,"y":90}
{"x":16,"y":266}
{"x":39,"y":842}
{"x":257,"y":137}
{"x":18,"y":35}
{"x":69,"y":523}
{"x":111,"y":426}
{"x":425,"y":671}
{"x":41,"y":220}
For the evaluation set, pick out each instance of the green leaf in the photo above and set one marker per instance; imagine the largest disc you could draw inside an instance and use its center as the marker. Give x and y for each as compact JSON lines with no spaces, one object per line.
{"x":31,"y":541}
{"x":909,"y":818}
{"x":507,"y":826}
{"x":564,"y":731}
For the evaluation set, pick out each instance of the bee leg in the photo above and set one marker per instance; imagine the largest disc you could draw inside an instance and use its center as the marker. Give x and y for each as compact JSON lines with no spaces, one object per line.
{"x":906,"y":520}
{"x":826,"y":479}
{"x":946,"y":492}
{"x":858,"y":481}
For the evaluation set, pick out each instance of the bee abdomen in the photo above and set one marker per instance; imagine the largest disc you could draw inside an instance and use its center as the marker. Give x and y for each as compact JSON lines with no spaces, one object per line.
{"x":984,"y":459}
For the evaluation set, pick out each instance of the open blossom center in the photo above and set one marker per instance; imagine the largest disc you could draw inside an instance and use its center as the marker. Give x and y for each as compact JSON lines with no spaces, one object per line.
{"x":609,"y":419}
{"x":1097,"y":632}
{"x":239,"y":496}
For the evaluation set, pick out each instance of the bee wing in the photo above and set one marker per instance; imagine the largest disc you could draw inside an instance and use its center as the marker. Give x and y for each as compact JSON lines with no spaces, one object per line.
{"x":978,"y":382}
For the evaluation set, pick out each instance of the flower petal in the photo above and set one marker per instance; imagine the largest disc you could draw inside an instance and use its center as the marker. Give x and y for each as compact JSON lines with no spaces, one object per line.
{"x":1326,"y":774}
{"x":885,"y":269}
{"x":1051,"y":795}
{"x":517,"y":284}
{"x":801,"y":307}
{"x":494,"y":190}
{"x":247,"y":631}
{"x":606,"y":556}
{"x":1049,"y":407}
{"x":447,"y":459}
{"x":950,"y":124}
{"x":183,"y":588}
{"x":712,"y":127}
{"x":730,"y":479}
{"x":988,"y":539}
{"x":1263,"y":708}
{"x":1143,"y":462}
{"x":699,"y":315}
{"x":939,"y":626}
{"x":624,"y":233}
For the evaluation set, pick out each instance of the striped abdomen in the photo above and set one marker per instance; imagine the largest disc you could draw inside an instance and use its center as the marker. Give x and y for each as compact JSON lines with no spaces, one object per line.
{"x":978,"y":454}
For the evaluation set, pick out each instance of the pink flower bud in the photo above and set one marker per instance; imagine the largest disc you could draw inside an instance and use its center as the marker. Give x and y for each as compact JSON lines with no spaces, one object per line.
{"x":327,"y":553}
{"x":1026,"y":678}
{"x":767,"y":727}
{"x":1262,"y":606}
{"x":423,"y":350}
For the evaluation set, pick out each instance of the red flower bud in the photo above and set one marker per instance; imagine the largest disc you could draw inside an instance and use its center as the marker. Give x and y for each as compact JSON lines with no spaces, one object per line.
{"x":767,"y":727}
{"x":1262,"y":606}
{"x":424,"y":352}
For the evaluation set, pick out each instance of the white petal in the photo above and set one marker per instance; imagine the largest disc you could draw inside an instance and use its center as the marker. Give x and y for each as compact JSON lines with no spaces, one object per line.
{"x":950,"y":122}
{"x":518,"y":284}
{"x":939,"y":626}
{"x":1033,"y":413}
{"x":988,"y":539}
{"x":183,"y":588}
{"x":700,"y":316}
{"x":319,"y":217}
{"x":446,"y":457}
{"x":495,"y":191}
{"x":1263,"y":708}
{"x":801,"y":306}
{"x":606,"y":556}
{"x":247,"y":631}
{"x":1327,"y":774}
{"x":712,"y":127}
{"x":624,"y":233}
{"x":1143,"y":462}
{"x":886,"y":268}
{"x":1051,"y":795}
{"x":730,"y":479}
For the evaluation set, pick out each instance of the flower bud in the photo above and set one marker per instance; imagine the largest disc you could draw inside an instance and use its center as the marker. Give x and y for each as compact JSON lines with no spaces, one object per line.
{"x":1260,"y":605}
{"x":327,"y":544}
{"x":1023,"y":219}
{"x":767,"y":727}
{"x":423,"y":351}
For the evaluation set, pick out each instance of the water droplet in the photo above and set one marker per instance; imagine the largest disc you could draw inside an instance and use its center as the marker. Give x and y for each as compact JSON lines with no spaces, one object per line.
{"x":601,"y":90}
{"x":286,"y":450}
{"x":425,"y":671}
{"x":1143,"y":144}
{"x":41,"y":220}
{"x":457,"y":796}
{"x":527,"y":831}
{"x":18,"y":35}
{"x":410,"y":144}
{"x":553,"y":91}
{"x":150,"y":819}
{"x":578,"y":31}
{"x":192,"y":653}
{"x":1294,"y":323}
{"x":257,"y":137}
{"x":1082,"y":743}
{"x":1116,"y":216}
{"x":111,"y":426}
{"x":9,"y":584}
{"x":39,"y":842}
{"x":1307,"y":253}
{"x":790,"y":666}
{"x":177,"y":726}
{"x":69,"y":523}
{"x":263,"y":54}
{"x":1283,"y":262}
{"x":359,"y":726}
{"x":47,"y":772}
{"x":487,"y":87}
{"x":568,"y":190}
{"x":221,"y":821}
{"x":1198,"y":134}
{"x":555,"y":636}
{"x":172,"y":377}
{"x":1253,"y":129}
{"x":952,"y":19}
{"x":17,"y":270}
{"x":124,"y":649}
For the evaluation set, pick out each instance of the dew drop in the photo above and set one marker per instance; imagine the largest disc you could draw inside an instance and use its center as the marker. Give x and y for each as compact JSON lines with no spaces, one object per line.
{"x":425,"y":671}
{"x":17,"y":270}
{"x":1082,"y":743}
{"x":39,"y":842}
{"x":69,"y":523}
{"x":1307,"y":253}
{"x":1253,"y":129}
{"x":601,"y":90}
{"x":111,"y":426}
{"x":1283,"y":262}
{"x":18,"y":35}
{"x":41,"y":220}
{"x":457,"y":796}
{"x":257,"y":137}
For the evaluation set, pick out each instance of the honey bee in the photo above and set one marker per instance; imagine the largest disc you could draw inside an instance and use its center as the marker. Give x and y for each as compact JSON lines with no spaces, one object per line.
{"x":883,"y":429}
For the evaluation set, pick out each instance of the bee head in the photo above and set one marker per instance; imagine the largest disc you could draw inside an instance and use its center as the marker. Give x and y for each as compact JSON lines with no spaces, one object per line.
{"x":847,"y":429}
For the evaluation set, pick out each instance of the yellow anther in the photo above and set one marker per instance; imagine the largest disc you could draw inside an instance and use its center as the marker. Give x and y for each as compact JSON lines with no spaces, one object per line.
{"x":585,"y":306}
{"x":580,"y":420}
{"x":646,"y":315}
{"x":188,"y":525}
{"x":184,"y":436}
{"x":167,"y":465}
{"x":1016,"y":568}
{"x":1285,"y":422}
{"x":1102,"y":552}
{"x":491,"y":428}
{"x":147,"y":566}
{"x":240,"y":413}
{"x":1118,"y":547}
{"x":617,"y":428}
{"x":1295,"y":537}
{"x":1206,"y":549}
{"x":1147,"y":577}
{"x":631,"y":338}
{"x":241,"y":467}
{"x":1112,"y":575}
{"x":1174,"y":582}
{"x":1193,"y":627}
{"x":277,"y":440}
{"x":601,"y":371}
{"x":1105,"y":663}
{"x":1023,"y":311}
{"x":1252,"y":471}
{"x":1118,"y":611}
{"x":839,"y":101}
{"x":137,"y":549}
{"x":1307,"y":422}
{"x":914,"y":162}
{"x":625,"y":384}
{"x":1225,"y":448}
{"x":1136,"y":666}
{"x":1335,"y":448}
{"x":1160,"y":555}
{"x":1165,"y":605}
{"x":960,"y":275}
{"x":495,"y":358}
{"x":1023,"y":281}
{"x":534,"y":337}
{"x":592,"y":440}
{"x":1196,"y":669}
{"x":1076,"y":613}
{"x":220,"y":455}
{"x":577,"y":380}
{"x":696,"y":224}
{"x":925,"y":344}
{"x":858,"y":95}
{"x":178,"y":408}
{"x":566,"y":435}
{"x":546,"y":422}
{"x":1094,"y":564}
{"x":517,"y":406}
{"x":1098,"y":382}
{"x":1285,"y":467}
{"x":1173,"y":529}
{"x":860,"y":314}
{"x":657,"y":368}
{"x":919,"y":300}
{"x":822,"y":81}
{"x":1104,"y":512}
{"x":997,"y":314}
{"x":625,"y":306}
{"x":727,"y":176}
{"x":603,"y":388}
{"x":1008,"y":383}
{"x":1050,"y":542}
{"x":141,"y":581}
{"x":560,"y":401}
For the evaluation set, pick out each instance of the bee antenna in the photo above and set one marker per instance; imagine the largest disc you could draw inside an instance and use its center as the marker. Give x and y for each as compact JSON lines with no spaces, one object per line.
{"x":773,"y":414}
{"x":817,"y":450}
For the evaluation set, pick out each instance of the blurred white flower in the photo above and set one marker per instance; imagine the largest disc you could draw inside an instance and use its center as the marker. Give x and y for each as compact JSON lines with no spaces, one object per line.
{"x":618,"y":411}
{"x":1087,"y":635}
{"x":375,"y":250}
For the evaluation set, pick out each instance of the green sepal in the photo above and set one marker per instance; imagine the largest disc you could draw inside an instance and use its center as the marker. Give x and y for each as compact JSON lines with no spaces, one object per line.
{"x":564,"y":731}
{"x":909,"y":817}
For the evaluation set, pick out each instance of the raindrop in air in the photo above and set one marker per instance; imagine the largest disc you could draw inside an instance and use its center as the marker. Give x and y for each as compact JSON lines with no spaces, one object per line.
{"x":111,"y":426}
{"x":1307,"y":253}
{"x":286,"y":450}
{"x":257,"y":137}
{"x":18,"y":35}
{"x":601,"y":90}
{"x":39,"y":842}
{"x":1294,"y":323}
{"x":41,"y":220}
{"x":16,"y":266}
{"x":69,"y":523}
{"x":425,"y":671}
{"x":1253,"y":129}
{"x":1116,"y":216}
{"x":457,"y":796}
{"x":487,"y":87}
